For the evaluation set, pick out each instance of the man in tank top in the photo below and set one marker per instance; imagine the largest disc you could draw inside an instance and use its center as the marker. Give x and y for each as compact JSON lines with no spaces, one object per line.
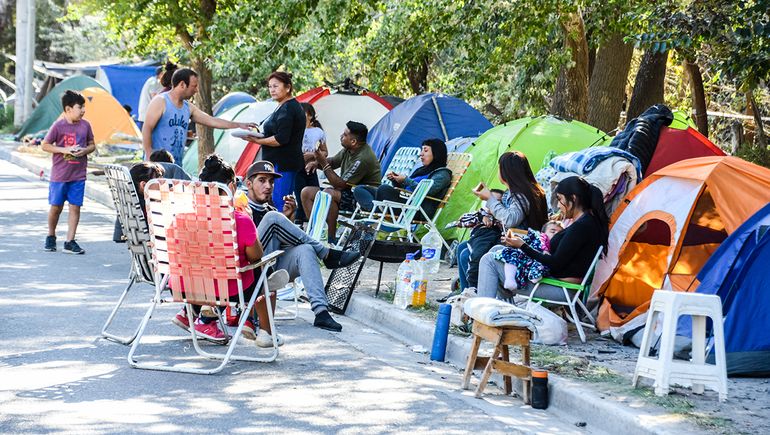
{"x":169,"y":114}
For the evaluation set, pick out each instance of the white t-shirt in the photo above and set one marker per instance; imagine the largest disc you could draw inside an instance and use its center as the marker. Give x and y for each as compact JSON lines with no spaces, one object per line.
{"x":151,"y":86}
{"x":312,"y":136}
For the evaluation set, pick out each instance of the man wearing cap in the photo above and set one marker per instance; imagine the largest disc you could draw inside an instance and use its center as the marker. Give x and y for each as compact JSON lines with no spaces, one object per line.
{"x":301,"y":253}
{"x":358,"y":165}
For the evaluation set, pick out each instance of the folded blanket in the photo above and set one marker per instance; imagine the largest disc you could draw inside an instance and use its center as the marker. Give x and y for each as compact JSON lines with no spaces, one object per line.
{"x":584,"y":161}
{"x":494,"y":312}
{"x":607,"y":176}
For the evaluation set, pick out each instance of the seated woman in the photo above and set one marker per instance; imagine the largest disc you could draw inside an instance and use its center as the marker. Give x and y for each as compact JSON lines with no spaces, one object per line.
{"x":571,"y":250}
{"x":433,"y":156}
{"x":521,"y":206}
{"x":249,"y":251}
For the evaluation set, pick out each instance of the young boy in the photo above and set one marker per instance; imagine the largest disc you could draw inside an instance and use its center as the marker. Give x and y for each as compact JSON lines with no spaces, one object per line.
{"x":70,"y":140}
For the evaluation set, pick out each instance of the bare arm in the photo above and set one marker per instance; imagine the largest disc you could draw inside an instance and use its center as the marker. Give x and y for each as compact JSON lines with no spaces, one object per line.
{"x":154,"y":112}
{"x":203,"y":118}
{"x":335,"y":180}
{"x":254,"y":252}
{"x":53,"y":149}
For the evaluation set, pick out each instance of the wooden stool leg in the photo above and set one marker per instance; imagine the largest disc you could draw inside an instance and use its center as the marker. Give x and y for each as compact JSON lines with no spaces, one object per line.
{"x":488,"y":370}
{"x":507,"y":379}
{"x":526,"y":383}
{"x":471,"y":361}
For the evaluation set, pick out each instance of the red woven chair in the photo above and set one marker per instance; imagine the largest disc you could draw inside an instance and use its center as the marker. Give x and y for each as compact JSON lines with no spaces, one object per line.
{"x":195,"y":250}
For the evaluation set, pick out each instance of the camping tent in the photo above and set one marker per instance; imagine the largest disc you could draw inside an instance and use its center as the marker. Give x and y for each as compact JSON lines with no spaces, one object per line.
{"x":424,"y":117}
{"x":50,"y":107}
{"x":231,"y":100}
{"x":125,"y":82}
{"x":680,"y":142}
{"x":737,"y":273}
{"x":107,"y":116}
{"x":229,"y":147}
{"x":335,"y":107}
{"x":536,"y":137}
{"x":668,"y":227}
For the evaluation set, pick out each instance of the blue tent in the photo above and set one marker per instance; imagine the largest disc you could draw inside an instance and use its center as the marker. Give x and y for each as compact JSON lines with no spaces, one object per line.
{"x":231,"y":100}
{"x":126,"y":83}
{"x":738,"y":273}
{"x":424,"y":117}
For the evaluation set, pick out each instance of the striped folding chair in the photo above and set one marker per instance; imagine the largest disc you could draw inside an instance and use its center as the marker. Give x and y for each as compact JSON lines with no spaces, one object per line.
{"x":134,"y":226}
{"x":195,"y":250}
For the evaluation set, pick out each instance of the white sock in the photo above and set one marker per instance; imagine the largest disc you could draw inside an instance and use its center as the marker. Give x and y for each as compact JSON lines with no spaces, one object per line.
{"x":510,"y":277}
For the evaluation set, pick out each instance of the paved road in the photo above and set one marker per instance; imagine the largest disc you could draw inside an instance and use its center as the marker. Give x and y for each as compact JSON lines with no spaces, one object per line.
{"x":56,"y":375}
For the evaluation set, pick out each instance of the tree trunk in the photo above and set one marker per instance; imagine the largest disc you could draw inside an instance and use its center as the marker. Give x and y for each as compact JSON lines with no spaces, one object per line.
{"x":698,"y":96}
{"x":607,"y":87}
{"x":760,"y":129}
{"x":203,"y":100}
{"x":418,"y":77}
{"x":649,"y":83}
{"x":570,"y":99}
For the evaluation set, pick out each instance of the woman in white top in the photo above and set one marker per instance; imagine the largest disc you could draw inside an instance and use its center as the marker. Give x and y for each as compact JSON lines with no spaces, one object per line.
{"x":314,"y":138}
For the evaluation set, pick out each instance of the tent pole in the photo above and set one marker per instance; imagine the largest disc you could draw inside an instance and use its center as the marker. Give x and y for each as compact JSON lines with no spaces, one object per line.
{"x":440,"y":118}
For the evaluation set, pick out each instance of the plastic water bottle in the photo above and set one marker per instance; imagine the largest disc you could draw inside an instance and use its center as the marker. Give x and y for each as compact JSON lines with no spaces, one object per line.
{"x":404,"y":283}
{"x":431,"y":250}
{"x":419,"y":282}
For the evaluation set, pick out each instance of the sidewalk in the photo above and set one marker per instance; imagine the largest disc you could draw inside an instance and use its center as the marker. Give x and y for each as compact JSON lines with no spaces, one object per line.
{"x":594,"y":391}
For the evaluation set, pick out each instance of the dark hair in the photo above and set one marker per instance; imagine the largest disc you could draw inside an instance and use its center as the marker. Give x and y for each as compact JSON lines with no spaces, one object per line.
{"x":584,"y":195}
{"x":549,"y":223}
{"x":310,"y":110}
{"x":144,"y":171}
{"x":438,"y":147}
{"x":182,"y":75}
{"x":70,"y":98}
{"x":161,"y":156}
{"x":497,"y":191}
{"x":217,"y":170}
{"x":282,"y":77}
{"x":358,"y":130}
{"x":515,"y":170}
{"x":165,"y":79}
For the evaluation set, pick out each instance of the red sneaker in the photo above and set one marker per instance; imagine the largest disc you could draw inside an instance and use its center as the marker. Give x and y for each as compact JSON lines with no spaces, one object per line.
{"x":181,"y":321}
{"x":248,"y":331}
{"x":231,"y":317}
{"x":210,"y":331}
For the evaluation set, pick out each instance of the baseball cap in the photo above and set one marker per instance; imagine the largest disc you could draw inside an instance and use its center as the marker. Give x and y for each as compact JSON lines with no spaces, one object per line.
{"x":261,"y":167}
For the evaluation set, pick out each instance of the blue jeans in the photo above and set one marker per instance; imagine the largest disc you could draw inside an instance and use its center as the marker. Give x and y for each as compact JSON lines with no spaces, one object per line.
{"x":283,"y":186}
{"x":463,"y":255}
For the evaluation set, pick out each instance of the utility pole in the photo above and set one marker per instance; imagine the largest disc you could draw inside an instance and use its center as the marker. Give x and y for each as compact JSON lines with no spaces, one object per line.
{"x":25,"y":58}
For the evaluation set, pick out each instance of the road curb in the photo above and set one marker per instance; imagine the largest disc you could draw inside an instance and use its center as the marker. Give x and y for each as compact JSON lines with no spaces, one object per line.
{"x":567,"y":397}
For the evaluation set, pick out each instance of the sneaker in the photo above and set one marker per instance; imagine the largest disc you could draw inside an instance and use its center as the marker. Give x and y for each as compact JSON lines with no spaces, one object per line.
{"x":50,"y":243}
{"x":325,"y":321}
{"x":210,"y":331}
{"x":277,"y":280}
{"x":264,"y":339}
{"x":454,"y":286}
{"x":72,"y":247}
{"x":181,"y":321}
{"x":248,"y":331}
{"x":336,"y":258}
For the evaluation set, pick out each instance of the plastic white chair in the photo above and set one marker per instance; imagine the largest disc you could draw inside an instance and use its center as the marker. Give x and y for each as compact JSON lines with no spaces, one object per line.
{"x":664,"y":370}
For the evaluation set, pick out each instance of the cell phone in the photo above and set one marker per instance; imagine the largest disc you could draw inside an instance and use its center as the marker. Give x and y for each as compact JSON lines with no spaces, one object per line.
{"x":479,"y":187}
{"x":514,"y":232}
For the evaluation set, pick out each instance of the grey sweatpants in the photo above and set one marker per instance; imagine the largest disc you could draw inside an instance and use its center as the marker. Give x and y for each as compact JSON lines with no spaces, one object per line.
{"x":492,"y":277}
{"x":300,"y":256}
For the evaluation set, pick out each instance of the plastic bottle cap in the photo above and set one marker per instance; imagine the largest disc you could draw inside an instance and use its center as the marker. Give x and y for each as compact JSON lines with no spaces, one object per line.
{"x":540,"y":374}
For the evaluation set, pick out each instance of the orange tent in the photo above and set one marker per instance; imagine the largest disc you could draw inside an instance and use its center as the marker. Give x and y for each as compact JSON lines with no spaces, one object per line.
{"x":667,"y":228}
{"x":107,"y":116}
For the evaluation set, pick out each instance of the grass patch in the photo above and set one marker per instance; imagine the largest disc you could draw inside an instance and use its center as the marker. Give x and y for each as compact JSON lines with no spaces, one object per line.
{"x":572,"y":366}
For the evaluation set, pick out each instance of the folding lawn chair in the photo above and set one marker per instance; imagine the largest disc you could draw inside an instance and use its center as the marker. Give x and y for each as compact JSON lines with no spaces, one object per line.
{"x":392,"y":217}
{"x":573,"y":296}
{"x":195,"y":249}
{"x":134,"y":226}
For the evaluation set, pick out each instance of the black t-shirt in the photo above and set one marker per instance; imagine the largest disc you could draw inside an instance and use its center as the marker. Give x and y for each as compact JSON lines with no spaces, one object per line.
{"x":287,"y":124}
{"x":572,"y":250}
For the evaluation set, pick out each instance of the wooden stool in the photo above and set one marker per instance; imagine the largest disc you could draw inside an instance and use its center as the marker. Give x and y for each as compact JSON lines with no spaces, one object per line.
{"x":502,"y":337}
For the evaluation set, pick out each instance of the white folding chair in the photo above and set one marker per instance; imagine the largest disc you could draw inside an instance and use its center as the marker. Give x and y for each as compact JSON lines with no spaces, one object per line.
{"x":195,"y":250}
{"x":573,"y":296}
{"x":137,"y":235}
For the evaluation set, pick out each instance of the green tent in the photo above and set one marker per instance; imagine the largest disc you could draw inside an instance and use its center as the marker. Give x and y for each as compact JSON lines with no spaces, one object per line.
{"x":225,"y":145}
{"x":49,"y":108}
{"x":537,"y":138}
{"x":682,"y":121}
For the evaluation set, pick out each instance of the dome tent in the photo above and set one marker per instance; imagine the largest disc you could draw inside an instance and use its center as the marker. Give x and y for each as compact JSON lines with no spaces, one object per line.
{"x":335,"y":105}
{"x":424,"y":117}
{"x":107,"y":116}
{"x":536,"y":137}
{"x":231,"y":100}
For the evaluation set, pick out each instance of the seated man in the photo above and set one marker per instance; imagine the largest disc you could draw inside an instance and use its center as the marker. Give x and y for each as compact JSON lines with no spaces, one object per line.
{"x":301,"y":253}
{"x":358,"y":166}
{"x":170,"y":168}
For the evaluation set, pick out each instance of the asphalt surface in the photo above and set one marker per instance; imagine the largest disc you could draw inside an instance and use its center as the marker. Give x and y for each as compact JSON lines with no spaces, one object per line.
{"x":58,"y":375}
